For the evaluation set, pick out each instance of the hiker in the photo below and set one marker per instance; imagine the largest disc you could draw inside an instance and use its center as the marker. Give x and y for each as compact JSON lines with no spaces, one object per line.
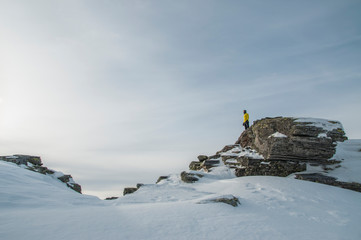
{"x":245,"y":119}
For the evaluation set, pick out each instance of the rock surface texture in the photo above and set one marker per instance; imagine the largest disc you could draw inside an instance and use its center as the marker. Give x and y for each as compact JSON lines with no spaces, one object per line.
{"x":295,"y":139}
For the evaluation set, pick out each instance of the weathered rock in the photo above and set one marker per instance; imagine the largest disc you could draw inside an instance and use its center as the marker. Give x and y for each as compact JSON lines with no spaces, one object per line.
{"x":195,"y":166}
{"x":162,"y":178}
{"x":214,"y":156}
{"x":248,"y":161}
{"x":190,"y":177}
{"x":272,"y":168}
{"x":65,"y":178}
{"x":303,"y":141}
{"x":227,"y":148}
{"x":320,"y":178}
{"x":22,"y":159}
{"x":76,"y":187}
{"x":202,"y":158}
{"x":69,"y":182}
{"x":129,"y":190}
{"x":210,"y":163}
{"x":227,"y":157}
{"x":111,"y":198}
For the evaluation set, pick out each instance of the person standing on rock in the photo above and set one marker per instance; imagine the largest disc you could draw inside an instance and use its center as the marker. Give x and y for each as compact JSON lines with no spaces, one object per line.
{"x":245,"y":119}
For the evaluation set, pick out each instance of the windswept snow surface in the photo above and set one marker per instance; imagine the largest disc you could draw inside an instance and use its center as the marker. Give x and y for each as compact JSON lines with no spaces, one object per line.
{"x":35,"y":206}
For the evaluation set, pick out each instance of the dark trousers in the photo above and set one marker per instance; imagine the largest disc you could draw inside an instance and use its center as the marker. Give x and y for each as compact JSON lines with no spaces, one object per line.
{"x":246,"y":124}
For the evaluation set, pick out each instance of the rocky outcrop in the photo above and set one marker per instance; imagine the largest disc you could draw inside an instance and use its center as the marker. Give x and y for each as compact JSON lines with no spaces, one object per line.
{"x":190,"y":177}
{"x":295,"y":139}
{"x":129,"y":190}
{"x":161,"y":178}
{"x":34,"y":163}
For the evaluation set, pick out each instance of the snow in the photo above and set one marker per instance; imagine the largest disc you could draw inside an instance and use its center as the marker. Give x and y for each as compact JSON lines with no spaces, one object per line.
{"x":278,"y":135}
{"x":326,"y":125}
{"x":36,"y":206}
{"x":349,"y":153}
{"x":238,"y":151}
{"x":349,"y":168}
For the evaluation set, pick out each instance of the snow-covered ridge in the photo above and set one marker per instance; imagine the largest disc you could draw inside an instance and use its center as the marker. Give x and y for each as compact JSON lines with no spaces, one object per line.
{"x":35,"y":164}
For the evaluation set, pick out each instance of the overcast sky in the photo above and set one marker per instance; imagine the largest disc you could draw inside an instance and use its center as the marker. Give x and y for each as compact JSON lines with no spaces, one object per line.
{"x":120,"y":92}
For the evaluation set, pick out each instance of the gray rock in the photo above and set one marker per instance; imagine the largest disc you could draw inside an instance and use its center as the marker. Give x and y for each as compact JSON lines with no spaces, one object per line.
{"x":23,"y":159}
{"x":111,"y":198}
{"x":301,"y":144}
{"x":76,"y":187}
{"x":195,"y":166}
{"x":227,"y":148}
{"x":216,"y":156}
{"x":65,"y":178}
{"x":320,"y":178}
{"x":272,"y":168}
{"x":190,"y":177}
{"x":202,"y":158}
{"x":210,"y":163}
{"x":162,"y":178}
{"x":129,"y":190}
{"x":229,"y":199}
{"x":248,"y":161}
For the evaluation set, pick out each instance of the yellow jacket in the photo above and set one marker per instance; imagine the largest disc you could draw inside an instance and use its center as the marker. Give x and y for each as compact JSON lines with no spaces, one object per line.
{"x":245,"y":117}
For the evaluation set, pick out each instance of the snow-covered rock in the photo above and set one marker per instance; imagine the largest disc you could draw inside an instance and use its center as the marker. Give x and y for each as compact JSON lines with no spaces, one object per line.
{"x":297,"y":139}
{"x":35,"y":164}
{"x":37,"y":206}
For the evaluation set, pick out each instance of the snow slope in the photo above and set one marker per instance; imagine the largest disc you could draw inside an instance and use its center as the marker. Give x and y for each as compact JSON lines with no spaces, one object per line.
{"x":35,"y":206}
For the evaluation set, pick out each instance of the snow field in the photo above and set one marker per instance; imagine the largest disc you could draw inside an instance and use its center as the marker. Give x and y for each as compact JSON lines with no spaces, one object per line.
{"x":271,"y":208}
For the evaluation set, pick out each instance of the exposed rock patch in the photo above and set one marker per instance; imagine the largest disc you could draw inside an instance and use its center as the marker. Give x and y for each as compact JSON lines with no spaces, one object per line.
{"x":303,"y":139}
{"x":111,"y":198}
{"x":320,"y":178}
{"x":227,"y":199}
{"x":190,"y":177}
{"x":162,"y":178}
{"x":129,"y":190}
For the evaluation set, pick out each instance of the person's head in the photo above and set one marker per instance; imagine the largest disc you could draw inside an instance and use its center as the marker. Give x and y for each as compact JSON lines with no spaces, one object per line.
{"x":244,"y":111}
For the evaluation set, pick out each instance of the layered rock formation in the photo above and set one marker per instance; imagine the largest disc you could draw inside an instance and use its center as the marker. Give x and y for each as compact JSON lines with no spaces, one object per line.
{"x":35,"y":164}
{"x":293,"y":139}
{"x":279,"y":147}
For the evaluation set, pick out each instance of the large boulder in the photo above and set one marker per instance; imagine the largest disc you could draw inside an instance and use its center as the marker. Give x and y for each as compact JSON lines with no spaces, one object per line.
{"x":296,"y":139}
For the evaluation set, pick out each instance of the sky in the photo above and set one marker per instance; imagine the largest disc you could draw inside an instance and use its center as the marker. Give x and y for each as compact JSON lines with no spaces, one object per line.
{"x":121,"y":92}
